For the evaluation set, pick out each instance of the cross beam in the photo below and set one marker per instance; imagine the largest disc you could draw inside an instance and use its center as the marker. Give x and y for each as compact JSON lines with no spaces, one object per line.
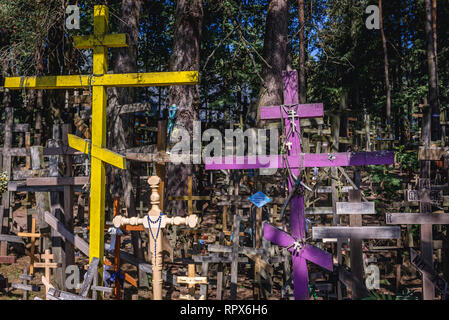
{"x":104,"y":80}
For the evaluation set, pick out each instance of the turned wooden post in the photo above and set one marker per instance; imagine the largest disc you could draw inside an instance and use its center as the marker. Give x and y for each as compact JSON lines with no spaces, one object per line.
{"x":156,"y":259}
{"x":154,"y":214}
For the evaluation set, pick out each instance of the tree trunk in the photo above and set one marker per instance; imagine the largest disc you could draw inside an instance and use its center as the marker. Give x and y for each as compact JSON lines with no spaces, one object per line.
{"x":275,"y":54}
{"x":387,"y":76}
{"x":185,"y":57}
{"x":302,"y":54}
{"x":120,"y":137}
{"x":433,"y":72}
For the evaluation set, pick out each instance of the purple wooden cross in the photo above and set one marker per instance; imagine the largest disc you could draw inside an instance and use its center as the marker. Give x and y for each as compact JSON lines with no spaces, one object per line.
{"x":292,"y":112}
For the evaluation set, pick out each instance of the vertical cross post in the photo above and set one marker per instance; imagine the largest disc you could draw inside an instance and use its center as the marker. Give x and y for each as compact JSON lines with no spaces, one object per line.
{"x":33,"y":236}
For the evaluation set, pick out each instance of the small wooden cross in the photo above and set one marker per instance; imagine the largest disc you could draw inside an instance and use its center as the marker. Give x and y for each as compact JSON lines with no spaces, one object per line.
{"x":234,"y":252}
{"x":191,"y":280}
{"x":33,"y":236}
{"x":24,"y":286}
{"x":190,"y":198}
{"x":47,"y":265}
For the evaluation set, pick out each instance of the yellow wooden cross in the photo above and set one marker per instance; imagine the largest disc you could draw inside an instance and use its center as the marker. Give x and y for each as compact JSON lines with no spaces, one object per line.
{"x":99,"y":80}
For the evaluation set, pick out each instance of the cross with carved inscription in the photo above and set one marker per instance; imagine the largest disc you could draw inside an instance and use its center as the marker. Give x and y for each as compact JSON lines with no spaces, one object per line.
{"x":99,"y":81}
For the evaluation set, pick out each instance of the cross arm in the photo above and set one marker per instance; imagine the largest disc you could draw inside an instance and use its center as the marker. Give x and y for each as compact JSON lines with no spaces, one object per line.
{"x":304,"y":160}
{"x":103,"y":154}
{"x":109,"y":80}
{"x":277,"y":236}
{"x":108,"y":40}
{"x":304,"y":111}
{"x":417,"y":218}
{"x":120,"y":221}
{"x":318,"y":257}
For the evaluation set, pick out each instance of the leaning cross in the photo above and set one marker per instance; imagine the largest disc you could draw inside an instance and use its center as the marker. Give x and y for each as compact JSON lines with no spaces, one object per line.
{"x":99,"y":80}
{"x":294,"y":160}
{"x":156,"y":221}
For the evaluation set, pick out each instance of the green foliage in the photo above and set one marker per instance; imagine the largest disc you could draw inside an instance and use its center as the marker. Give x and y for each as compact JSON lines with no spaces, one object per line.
{"x":403,"y":295}
{"x":387,"y":178}
{"x":407,"y":160}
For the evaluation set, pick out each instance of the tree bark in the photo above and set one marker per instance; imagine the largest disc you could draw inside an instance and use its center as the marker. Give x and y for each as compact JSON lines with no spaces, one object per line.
{"x":185,"y":57}
{"x":302,"y":54}
{"x":386,"y":69}
{"x":120,"y":137}
{"x":433,"y":72}
{"x":275,"y":54}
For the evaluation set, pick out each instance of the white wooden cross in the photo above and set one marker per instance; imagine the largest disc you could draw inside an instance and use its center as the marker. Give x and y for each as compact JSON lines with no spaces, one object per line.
{"x":154,"y":222}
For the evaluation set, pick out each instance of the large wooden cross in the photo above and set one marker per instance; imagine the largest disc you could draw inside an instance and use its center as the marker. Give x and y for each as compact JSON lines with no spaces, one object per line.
{"x":425,"y":220}
{"x":99,"y":81}
{"x":291,"y":112}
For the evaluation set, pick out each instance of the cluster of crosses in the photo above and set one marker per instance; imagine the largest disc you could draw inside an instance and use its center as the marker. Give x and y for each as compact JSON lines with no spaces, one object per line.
{"x":290,"y":112}
{"x":98,"y":82}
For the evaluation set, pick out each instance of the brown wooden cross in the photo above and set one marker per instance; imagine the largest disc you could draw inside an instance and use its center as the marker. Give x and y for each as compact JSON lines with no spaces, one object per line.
{"x":47,"y":265}
{"x":191,"y":280}
{"x":33,"y":236}
{"x":190,"y":198}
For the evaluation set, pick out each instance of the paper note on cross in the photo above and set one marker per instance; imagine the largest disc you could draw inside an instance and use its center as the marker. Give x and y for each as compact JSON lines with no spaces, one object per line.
{"x":99,"y":80}
{"x":291,"y":112}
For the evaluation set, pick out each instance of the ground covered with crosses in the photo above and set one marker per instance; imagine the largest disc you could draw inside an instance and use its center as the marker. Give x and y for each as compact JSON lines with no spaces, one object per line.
{"x":349,"y":203}
{"x":397,"y":274}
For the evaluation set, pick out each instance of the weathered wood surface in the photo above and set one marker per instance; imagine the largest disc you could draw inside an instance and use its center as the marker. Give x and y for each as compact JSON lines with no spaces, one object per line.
{"x":133,"y":108}
{"x":432,"y":153}
{"x":57,"y":181}
{"x":217,"y":259}
{"x":77,"y":241}
{"x":356,"y":232}
{"x":7,"y":259}
{"x":355,"y":208}
{"x":424,"y":195}
{"x":429,"y":273}
{"x":17,"y":127}
{"x":11,"y":238}
{"x":417,"y":218}
{"x":241,"y":250}
{"x":26,"y":287}
{"x":54,"y":294}
{"x":24,"y":174}
{"x":350,"y":281}
{"x":318,"y":210}
{"x":93,"y":269}
{"x":47,"y":151}
{"x":151,"y":157}
{"x":191,"y":280}
{"x":328,"y":189}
